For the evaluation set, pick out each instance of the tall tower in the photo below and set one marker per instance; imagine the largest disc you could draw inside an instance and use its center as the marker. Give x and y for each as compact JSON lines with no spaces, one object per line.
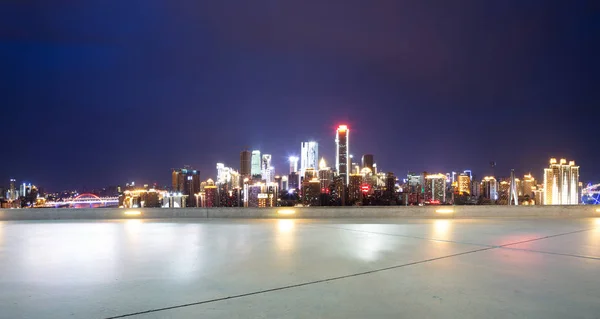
{"x":266,"y":168}
{"x":513,"y":198}
{"x":342,"y":151}
{"x":245,"y":163}
{"x":293,"y":164}
{"x":309,"y":156}
{"x":255,"y":165}
{"x":368,"y":161}
{"x":561,"y":182}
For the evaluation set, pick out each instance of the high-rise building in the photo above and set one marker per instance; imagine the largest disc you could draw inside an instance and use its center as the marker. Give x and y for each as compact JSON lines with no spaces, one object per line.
{"x":266,"y":169}
{"x":293,"y":181}
{"x":284,"y":183}
{"x":325,"y":175}
{"x":476,"y":188}
{"x":368,"y":161}
{"x":293,"y":164}
{"x":470,"y":173}
{"x":342,"y":150}
{"x":255,"y":168}
{"x":489,"y":188}
{"x":464,"y":184}
{"x":309,"y":156}
{"x":211,"y":198}
{"x":187,"y":182}
{"x":435,"y":188}
{"x":354,"y":188}
{"x":561,"y":183}
{"x":529,"y":186}
{"x":311,"y":192}
{"x":245,"y":164}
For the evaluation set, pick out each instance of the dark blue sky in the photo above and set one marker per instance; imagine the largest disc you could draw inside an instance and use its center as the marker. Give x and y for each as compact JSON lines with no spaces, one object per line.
{"x":97,"y":93}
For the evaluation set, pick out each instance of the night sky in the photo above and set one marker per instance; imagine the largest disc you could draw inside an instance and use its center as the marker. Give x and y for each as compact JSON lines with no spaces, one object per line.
{"x":97,"y":94}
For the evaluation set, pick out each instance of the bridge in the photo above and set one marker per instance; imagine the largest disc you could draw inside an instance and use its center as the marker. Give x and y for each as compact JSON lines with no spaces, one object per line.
{"x":591,"y":194}
{"x":84,"y":200}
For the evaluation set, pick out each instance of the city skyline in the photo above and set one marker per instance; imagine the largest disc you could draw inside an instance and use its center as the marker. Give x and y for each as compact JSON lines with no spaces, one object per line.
{"x":435,"y":86}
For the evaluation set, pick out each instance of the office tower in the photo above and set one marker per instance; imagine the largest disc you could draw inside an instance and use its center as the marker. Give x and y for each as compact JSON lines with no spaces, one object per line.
{"x":368,"y":161}
{"x":561,"y":183}
{"x":325,"y":175}
{"x":311,"y":193}
{"x":266,"y":168}
{"x":279,"y":181}
{"x":293,"y":164}
{"x":528,"y":186}
{"x":12,"y":191}
{"x":211,"y":198}
{"x":470,"y":173}
{"x":309,"y":156}
{"x":354,"y":188}
{"x":255,"y":169}
{"x":187,"y":182}
{"x":464,"y":184}
{"x":476,"y":188}
{"x":310,"y":174}
{"x":435,"y":188}
{"x":245,"y":164}
{"x":284,"y":183}
{"x":223,"y":174}
{"x":489,"y":188}
{"x":293,"y":181}
{"x":342,"y":151}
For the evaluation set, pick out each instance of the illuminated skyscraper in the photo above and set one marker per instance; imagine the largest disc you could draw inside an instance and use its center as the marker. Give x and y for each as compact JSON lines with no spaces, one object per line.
{"x":529,"y":186}
{"x":354,"y":188}
{"x":368,"y":161}
{"x":266,"y":168}
{"x":561,"y":183}
{"x":255,"y":169}
{"x":489,"y":188}
{"x":309,"y":156}
{"x":325,"y":175}
{"x":435,"y":188}
{"x":187,"y":182}
{"x":245,"y":164}
{"x":342,"y":150}
{"x":464,"y":184}
{"x":293,"y":164}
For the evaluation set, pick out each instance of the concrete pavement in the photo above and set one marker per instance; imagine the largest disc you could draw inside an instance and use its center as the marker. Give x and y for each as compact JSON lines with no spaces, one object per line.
{"x":301,"y":268}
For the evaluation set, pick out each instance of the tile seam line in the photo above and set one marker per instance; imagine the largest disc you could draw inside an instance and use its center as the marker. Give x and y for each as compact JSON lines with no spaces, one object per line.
{"x":485,"y":248}
{"x":464,"y":243}
{"x":483,"y":245}
{"x":259,"y":292}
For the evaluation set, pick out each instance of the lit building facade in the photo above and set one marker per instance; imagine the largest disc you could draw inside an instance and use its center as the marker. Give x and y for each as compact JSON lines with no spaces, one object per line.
{"x":309,"y":156}
{"x":187,"y":182}
{"x":435,"y":188}
{"x":342,"y":142}
{"x":245,"y":164}
{"x":464,"y":184}
{"x":354,"y":188}
{"x":311,"y":193}
{"x":255,"y":169}
{"x":368,"y":161}
{"x":561,"y":183}
{"x":267,"y":170}
{"x":528,"y":186}
{"x":325,"y":175}
{"x":489,"y":188}
{"x":293,"y":164}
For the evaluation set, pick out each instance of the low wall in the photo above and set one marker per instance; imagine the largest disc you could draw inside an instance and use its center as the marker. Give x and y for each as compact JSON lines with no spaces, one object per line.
{"x":304,"y":212}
